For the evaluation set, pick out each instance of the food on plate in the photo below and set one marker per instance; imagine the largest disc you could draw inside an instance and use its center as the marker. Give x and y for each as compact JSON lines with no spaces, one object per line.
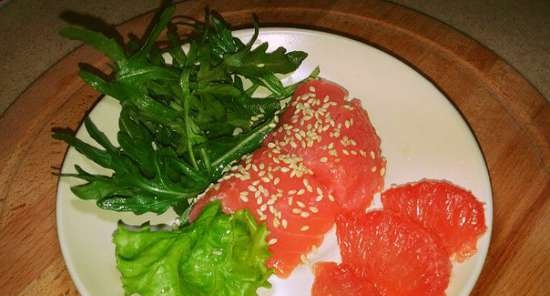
{"x":397,"y":255}
{"x":448,"y":211}
{"x":216,"y":255}
{"x":336,"y":141}
{"x":286,"y":182}
{"x":272,"y":186}
{"x":333,"y":279}
{"x":187,"y":115}
{"x":404,"y":249}
{"x":257,"y":181}
{"x":182,"y":122}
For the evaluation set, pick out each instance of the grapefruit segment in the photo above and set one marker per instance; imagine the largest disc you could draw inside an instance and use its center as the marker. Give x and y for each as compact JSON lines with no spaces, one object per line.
{"x":448,"y":211}
{"x":336,"y":140}
{"x":397,"y":255}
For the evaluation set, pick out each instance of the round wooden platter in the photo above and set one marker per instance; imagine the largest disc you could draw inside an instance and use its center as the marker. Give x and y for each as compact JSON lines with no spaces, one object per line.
{"x":510,"y":119}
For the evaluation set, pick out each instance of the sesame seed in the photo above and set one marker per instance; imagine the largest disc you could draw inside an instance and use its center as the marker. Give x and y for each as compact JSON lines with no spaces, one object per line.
{"x":373,"y":169}
{"x":330,"y":197}
{"x":304,"y":228}
{"x":300,"y":204}
{"x":284,"y":223}
{"x":272,"y":241}
{"x":323,"y":159}
{"x":276,"y":180}
{"x":382,"y":171}
{"x":252,"y":188}
{"x":301,"y":192}
{"x":311,"y":89}
{"x":319,"y":198}
{"x":372,"y":155}
{"x":304,"y":214}
{"x":314,"y":210}
{"x":345,"y":151}
{"x":296,"y":211}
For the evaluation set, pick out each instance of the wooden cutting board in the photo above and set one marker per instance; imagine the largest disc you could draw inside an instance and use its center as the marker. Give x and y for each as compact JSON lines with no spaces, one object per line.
{"x":510,"y":119}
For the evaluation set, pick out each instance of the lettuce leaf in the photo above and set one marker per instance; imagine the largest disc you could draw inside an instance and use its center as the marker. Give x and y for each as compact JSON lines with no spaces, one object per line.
{"x":218,"y":254}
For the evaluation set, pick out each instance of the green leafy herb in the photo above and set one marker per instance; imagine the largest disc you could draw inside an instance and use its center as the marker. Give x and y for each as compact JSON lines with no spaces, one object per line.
{"x":218,"y":254}
{"x":179,"y":120}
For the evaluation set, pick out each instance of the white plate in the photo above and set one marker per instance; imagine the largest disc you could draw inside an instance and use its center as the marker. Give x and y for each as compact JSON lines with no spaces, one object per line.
{"x":423,"y":136}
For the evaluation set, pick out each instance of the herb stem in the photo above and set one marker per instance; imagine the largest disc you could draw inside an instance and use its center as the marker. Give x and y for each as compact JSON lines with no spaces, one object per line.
{"x":184,"y":83}
{"x":206,"y":160}
{"x":242,"y":147}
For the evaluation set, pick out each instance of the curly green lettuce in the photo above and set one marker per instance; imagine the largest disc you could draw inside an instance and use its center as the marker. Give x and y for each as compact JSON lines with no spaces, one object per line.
{"x":218,"y":254}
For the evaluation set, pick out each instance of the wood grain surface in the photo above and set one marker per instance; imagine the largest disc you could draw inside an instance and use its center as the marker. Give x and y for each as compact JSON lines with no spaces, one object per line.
{"x":510,"y":119}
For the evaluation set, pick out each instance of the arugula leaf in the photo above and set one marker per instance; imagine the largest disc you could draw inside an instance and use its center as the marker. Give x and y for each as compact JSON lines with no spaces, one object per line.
{"x":258,"y":62}
{"x":217,"y":254}
{"x":141,"y":181}
{"x":106,"y":45}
